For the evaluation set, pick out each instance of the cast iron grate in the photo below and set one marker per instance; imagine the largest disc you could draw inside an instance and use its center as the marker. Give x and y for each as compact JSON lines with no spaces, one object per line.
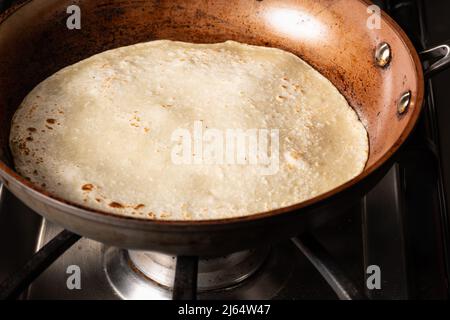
{"x":185,"y":284}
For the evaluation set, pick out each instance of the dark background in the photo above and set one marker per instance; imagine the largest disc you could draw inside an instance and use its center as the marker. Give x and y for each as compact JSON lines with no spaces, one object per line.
{"x":438,"y":11}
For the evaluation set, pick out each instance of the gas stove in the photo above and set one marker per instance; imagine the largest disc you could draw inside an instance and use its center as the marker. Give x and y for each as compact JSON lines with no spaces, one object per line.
{"x":400,"y":228}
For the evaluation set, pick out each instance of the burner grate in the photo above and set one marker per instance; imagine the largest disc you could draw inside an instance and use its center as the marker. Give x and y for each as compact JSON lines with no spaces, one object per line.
{"x":14,"y":286}
{"x":185,"y":282}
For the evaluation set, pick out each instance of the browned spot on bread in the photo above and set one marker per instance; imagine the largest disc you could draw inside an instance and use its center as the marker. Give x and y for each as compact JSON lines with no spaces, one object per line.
{"x":48,"y":127}
{"x":23,"y":147}
{"x":87,"y":187}
{"x":116,"y":205}
{"x":187,"y":215}
{"x":29,"y":139}
{"x":98,"y":199}
{"x":32,"y":129}
{"x":151,"y":215}
{"x":139,"y":206}
{"x":165,"y":215}
{"x":51,"y":121}
{"x":296,"y":155}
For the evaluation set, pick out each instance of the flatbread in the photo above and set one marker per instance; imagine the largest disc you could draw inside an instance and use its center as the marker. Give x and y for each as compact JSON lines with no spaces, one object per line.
{"x":100,"y":133}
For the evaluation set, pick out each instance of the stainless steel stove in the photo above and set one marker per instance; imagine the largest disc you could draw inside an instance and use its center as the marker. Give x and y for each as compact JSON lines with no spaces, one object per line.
{"x":401,"y":226}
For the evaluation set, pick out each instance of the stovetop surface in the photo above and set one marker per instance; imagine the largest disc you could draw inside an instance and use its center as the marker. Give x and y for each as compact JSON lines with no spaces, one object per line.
{"x":400,"y":226}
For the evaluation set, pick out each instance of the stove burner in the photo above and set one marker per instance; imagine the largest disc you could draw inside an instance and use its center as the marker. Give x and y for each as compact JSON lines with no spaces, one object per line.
{"x":213,"y":273}
{"x":150,"y":275}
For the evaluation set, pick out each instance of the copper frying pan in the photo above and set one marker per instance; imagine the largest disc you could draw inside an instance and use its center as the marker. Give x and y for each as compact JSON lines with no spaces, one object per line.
{"x":332,"y":35}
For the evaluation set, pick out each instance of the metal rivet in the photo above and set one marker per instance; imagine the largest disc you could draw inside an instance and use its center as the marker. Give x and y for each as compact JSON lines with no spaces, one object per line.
{"x":404,"y":102}
{"x":383,"y":54}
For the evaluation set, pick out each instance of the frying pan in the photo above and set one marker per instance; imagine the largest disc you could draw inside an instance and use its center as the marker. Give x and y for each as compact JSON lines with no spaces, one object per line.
{"x":377,"y":70}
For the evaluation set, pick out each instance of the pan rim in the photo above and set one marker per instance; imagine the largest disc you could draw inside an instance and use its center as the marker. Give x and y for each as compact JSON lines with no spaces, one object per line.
{"x":7,"y":173}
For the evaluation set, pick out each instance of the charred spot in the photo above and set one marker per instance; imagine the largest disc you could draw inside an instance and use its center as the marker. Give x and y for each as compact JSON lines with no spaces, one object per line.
{"x":116,"y":205}
{"x":32,"y":129}
{"x":30,"y":139}
{"x":87,"y":187}
{"x":51,"y":121}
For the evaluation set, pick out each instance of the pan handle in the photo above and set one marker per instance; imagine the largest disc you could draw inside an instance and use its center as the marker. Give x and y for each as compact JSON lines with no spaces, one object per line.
{"x":436,"y":59}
